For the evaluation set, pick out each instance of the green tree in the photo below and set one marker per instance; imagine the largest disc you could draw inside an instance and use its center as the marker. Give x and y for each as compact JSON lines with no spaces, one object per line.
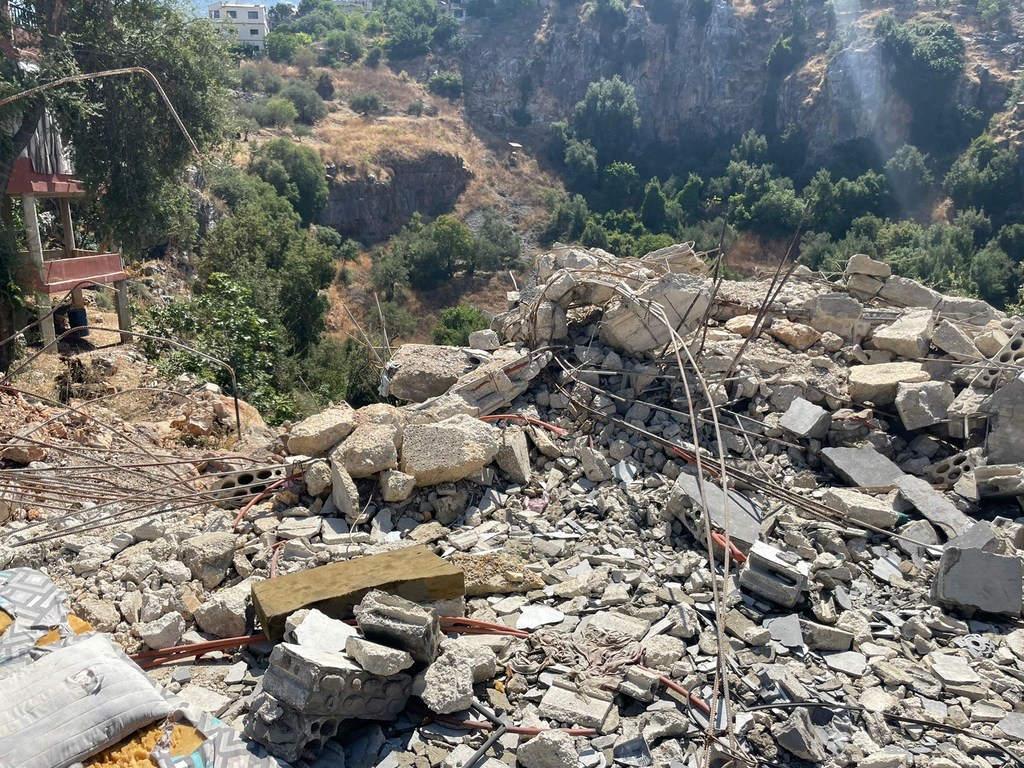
{"x":608,"y":117}
{"x":126,"y":142}
{"x":454,"y":245}
{"x":497,"y":244}
{"x":985,"y":177}
{"x":447,"y":84}
{"x":325,"y":86}
{"x":389,"y":274}
{"x":277,"y":111}
{"x":456,"y":323}
{"x":1011,"y":241}
{"x":310,"y":107}
{"x":281,"y":46}
{"x":296,"y":173}
{"x":652,"y":211}
{"x":581,"y":163}
{"x":688,"y":197}
{"x":995,"y":275}
{"x":909,"y":177}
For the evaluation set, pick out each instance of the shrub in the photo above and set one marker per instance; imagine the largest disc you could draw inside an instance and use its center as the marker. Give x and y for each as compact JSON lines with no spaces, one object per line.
{"x":296,"y":173}
{"x":249,"y":78}
{"x":371,"y":103}
{"x":277,"y":111}
{"x":456,"y":323}
{"x":447,"y":84}
{"x":308,"y":104}
{"x":374,"y":56}
{"x":608,"y":117}
{"x":325,"y":86}
{"x":415,"y":108}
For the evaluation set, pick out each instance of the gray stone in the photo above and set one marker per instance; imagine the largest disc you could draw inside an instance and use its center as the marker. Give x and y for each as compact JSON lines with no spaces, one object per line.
{"x":862,"y":264}
{"x":1005,"y":441}
{"x":972,"y":579}
{"x":629,"y":327}
{"x":849,"y":662}
{"x":1012,"y":726}
{"x":486,"y":340}
{"x":923,"y":404}
{"x":934,"y":506}
{"x":208,"y":556}
{"x":863,"y":466}
{"x":102,"y":614}
{"x":164,"y":632}
{"x":904,"y":292}
{"x":909,"y":336}
{"x":595,"y":465}
{"x":418,"y":372}
{"x":448,"y":451}
{"x":839,"y":314}
{"x":537,"y":615}
{"x":312,"y":629}
{"x":821,"y":637}
{"x":400,"y":623}
{"x":799,"y":736}
{"x":950,"y":339}
{"x":514,"y":455}
{"x":317,"y":434}
{"x":952,"y":670}
{"x":549,"y":749}
{"x":805,"y":419}
{"x":377,"y":659}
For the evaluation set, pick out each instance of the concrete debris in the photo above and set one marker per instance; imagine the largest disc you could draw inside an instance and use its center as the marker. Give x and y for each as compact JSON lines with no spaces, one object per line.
{"x":549,"y":565}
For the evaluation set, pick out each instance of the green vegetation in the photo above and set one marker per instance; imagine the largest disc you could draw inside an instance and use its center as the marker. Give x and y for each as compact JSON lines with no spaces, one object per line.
{"x":447,"y":84}
{"x":456,"y":323}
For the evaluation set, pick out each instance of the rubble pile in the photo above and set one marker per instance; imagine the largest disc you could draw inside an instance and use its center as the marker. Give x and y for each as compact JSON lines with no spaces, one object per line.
{"x":647,"y":519}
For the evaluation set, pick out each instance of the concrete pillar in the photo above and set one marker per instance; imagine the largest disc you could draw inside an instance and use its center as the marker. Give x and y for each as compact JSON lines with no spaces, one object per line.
{"x":124,"y":312}
{"x":35,"y":251}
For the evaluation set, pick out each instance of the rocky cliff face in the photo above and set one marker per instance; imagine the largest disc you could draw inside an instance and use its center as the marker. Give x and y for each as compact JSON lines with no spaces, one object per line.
{"x":376,"y":205}
{"x":698,"y":77}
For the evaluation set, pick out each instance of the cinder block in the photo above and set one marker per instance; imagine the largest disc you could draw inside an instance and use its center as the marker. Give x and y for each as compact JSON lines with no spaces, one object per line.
{"x":286,"y":733}
{"x":775,"y":575}
{"x":414,"y":573}
{"x":330,"y":684}
{"x":399,"y":623}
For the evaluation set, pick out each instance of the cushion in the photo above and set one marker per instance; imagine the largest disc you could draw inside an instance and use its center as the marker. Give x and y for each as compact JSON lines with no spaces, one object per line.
{"x":77,"y":700}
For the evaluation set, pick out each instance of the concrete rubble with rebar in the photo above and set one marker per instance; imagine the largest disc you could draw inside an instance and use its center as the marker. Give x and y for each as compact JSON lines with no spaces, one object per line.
{"x":794,"y":503}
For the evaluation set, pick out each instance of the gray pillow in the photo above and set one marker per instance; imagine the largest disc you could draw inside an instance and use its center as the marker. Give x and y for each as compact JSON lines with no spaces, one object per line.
{"x":72,"y":703}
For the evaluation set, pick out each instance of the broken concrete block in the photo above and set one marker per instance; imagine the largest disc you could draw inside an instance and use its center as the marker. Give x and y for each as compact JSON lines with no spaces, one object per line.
{"x":805,"y":419}
{"x":908,"y":336}
{"x":864,"y":466}
{"x":208,"y":556}
{"x":640,"y":684}
{"x":1005,"y":443}
{"x":344,"y":493}
{"x":595,"y":465}
{"x":822,"y":637}
{"x":287,"y":733}
{"x":329,"y":683}
{"x":862,"y":264}
{"x":399,"y":623}
{"x":615,"y":623}
{"x":999,"y":481}
{"x":991,"y":341}
{"x":862,"y":508}
{"x":447,"y":685}
{"x":968,"y":412}
{"x":418,"y":372}
{"x":972,"y":579}
{"x":226,"y":613}
{"x":742,"y":325}
{"x":775,"y":575}
{"x":377,"y":659}
{"x":371,"y":448}
{"x":448,"y":451}
{"x":954,"y":342}
{"x":799,"y":736}
{"x":685,"y":503}
{"x":319,"y":433}
{"x":164,"y":632}
{"x":924,"y":404}
{"x":481,"y":658}
{"x":839,"y":314}
{"x":486,"y":340}
{"x":933,"y":505}
{"x":628,"y":325}
{"x":904,"y":292}
{"x":313,"y":629}
{"x":415,"y":573}
{"x":566,"y":704}
{"x":878,"y":383}
{"x":549,"y":749}
{"x":795,"y":335}
{"x":514,"y":454}
{"x":396,"y":486}
{"x":317,"y":477}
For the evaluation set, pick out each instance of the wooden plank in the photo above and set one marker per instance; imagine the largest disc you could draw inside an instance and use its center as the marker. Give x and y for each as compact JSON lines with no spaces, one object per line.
{"x":414,"y":573}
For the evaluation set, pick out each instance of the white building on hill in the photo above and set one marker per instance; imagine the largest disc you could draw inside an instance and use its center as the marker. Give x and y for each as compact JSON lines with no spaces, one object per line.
{"x":244,"y":23}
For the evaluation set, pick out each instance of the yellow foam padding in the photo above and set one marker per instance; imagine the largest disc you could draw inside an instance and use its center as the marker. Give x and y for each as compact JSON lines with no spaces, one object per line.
{"x":133,"y":752}
{"x":5,"y":621}
{"x":78,"y":626}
